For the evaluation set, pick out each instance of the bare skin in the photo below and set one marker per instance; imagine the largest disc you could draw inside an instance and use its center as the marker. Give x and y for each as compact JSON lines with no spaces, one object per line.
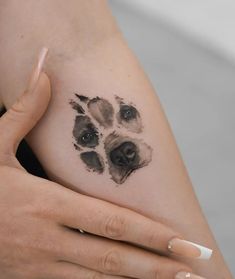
{"x":88,"y":55}
{"x":39,"y":219}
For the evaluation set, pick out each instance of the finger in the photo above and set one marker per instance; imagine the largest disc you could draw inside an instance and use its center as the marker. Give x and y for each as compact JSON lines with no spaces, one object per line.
{"x":111,"y":221}
{"x":65,"y":270}
{"x":116,"y":258}
{"x":27,"y":110}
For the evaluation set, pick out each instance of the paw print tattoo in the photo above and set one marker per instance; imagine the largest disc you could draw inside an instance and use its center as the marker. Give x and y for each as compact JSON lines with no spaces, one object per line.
{"x":105,"y":136}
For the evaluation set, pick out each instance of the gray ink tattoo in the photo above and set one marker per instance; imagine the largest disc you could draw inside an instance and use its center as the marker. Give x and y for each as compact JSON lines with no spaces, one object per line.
{"x":93,"y":160}
{"x":84,"y":132}
{"x":77,"y":107}
{"x":102,"y":111}
{"x":82,"y":98}
{"x":97,"y":126}
{"x":125,"y":155}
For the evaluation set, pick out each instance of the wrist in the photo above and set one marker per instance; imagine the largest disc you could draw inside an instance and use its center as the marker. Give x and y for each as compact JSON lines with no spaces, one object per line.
{"x":57,"y":23}
{"x":70,"y":31}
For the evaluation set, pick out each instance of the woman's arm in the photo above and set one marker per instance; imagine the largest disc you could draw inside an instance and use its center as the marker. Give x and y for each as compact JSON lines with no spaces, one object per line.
{"x":89,"y":58}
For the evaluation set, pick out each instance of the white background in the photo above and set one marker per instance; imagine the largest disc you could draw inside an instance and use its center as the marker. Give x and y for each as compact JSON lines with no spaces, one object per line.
{"x":210,"y":21}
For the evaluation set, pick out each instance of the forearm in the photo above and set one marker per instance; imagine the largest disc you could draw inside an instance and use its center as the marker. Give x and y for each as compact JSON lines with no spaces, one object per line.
{"x":93,"y":60}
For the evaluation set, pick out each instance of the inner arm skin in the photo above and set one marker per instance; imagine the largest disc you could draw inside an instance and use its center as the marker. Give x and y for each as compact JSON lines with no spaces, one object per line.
{"x":89,"y":56}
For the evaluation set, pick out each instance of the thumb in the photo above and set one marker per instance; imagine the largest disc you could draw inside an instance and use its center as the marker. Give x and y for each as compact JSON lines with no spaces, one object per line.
{"x":27,"y":110}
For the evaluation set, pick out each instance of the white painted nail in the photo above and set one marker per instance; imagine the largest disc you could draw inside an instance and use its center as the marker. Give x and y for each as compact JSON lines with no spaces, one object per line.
{"x":37,"y":69}
{"x":206,"y":253}
{"x":189,"y":249}
{"x":185,"y":275}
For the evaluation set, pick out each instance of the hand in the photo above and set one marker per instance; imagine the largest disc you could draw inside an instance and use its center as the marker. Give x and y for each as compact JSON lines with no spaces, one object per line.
{"x":39,"y":223}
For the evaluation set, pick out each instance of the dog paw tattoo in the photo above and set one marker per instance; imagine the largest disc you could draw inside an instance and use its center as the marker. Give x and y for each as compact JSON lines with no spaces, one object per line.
{"x":105,"y":136}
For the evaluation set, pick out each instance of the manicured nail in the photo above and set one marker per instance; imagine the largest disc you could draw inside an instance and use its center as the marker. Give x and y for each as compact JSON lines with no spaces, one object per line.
{"x":185,"y":275}
{"x":189,"y":249}
{"x":37,"y":69}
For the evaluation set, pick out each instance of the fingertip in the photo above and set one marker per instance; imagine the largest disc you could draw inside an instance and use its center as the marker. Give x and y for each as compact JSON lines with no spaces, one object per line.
{"x":44,"y":84}
{"x":42,"y":93}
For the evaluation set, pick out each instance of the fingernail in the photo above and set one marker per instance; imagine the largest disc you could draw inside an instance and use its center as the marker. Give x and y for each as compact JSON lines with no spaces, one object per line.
{"x":189,"y":249}
{"x":37,"y":69}
{"x":185,"y":275}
